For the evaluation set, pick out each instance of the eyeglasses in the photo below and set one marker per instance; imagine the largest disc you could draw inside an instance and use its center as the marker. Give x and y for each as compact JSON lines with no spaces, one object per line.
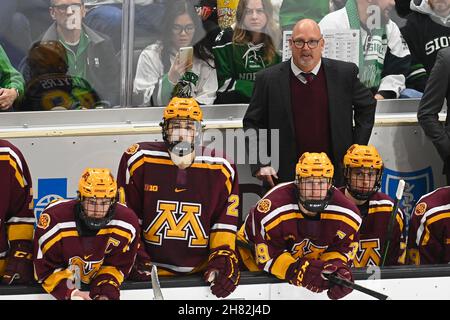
{"x":63,"y":7}
{"x":312,"y":44}
{"x":178,"y":28}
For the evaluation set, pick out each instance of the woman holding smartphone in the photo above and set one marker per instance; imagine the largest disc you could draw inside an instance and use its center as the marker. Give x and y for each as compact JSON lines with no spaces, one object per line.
{"x":170,"y":68}
{"x":252,"y":48}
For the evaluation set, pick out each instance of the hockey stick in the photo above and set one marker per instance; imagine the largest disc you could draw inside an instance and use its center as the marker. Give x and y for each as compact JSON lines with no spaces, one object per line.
{"x":346,"y":283}
{"x":398,"y":197}
{"x":157,"y":293}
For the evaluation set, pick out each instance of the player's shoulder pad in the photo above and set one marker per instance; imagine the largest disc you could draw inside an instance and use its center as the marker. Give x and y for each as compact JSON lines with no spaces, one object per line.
{"x":434,"y":199}
{"x":279,"y":197}
{"x":344,"y":210}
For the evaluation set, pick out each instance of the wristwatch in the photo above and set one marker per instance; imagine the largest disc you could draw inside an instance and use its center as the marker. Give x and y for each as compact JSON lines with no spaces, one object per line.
{"x":17,"y":91}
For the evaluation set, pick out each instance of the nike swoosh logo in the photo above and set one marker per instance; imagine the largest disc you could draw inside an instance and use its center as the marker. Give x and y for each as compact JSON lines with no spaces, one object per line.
{"x":179,"y":190}
{"x":87,"y":257}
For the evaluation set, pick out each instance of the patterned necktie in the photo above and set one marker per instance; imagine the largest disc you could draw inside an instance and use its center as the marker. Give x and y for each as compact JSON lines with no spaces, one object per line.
{"x":308,"y":76}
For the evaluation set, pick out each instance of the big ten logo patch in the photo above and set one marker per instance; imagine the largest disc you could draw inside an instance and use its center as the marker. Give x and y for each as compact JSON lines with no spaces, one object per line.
{"x":49,"y":190}
{"x":417,"y":183}
{"x":178,"y":221}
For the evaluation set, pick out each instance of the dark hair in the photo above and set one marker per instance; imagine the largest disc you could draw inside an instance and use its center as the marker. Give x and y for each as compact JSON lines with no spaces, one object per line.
{"x":177,"y":8}
{"x":47,"y":57}
{"x":271,"y":31}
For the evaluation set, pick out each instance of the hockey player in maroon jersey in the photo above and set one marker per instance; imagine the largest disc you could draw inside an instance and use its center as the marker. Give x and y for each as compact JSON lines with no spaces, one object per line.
{"x":187,"y":201}
{"x":92,"y":239}
{"x":363,"y":168}
{"x":429,"y":229}
{"x":303,"y":229}
{"x":16,"y":217}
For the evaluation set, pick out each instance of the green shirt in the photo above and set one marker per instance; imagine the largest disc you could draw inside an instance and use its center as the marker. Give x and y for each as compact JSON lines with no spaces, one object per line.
{"x":77,"y":60}
{"x":292,"y":11}
{"x":10,"y":77}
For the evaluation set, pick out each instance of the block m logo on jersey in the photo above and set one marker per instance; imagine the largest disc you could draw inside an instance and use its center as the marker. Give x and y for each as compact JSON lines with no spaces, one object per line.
{"x":178,"y":221}
{"x":417,"y":183}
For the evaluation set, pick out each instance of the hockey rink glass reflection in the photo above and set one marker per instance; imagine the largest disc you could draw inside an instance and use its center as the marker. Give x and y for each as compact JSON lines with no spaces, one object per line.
{"x":183,"y":130}
{"x":313,"y":188}
{"x":364,"y":179}
{"x":96,"y":208}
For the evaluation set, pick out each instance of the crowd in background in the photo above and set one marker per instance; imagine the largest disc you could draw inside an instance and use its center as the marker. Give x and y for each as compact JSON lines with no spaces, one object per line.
{"x":65,"y":54}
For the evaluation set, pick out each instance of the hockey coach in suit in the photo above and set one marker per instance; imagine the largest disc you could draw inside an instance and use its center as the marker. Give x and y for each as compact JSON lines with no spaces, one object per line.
{"x":317,"y":104}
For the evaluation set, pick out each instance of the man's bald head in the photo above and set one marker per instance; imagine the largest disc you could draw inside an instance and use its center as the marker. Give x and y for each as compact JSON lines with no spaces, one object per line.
{"x":307,"y":26}
{"x":306,"y":44}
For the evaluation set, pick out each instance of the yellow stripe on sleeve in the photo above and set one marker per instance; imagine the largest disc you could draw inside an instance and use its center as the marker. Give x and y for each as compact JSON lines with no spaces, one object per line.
{"x":58,"y":238}
{"x":20,"y":232}
{"x":327,"y":256}
{"x":338,"y":217}
{"x":54,"y":279}
{"x":222,"y":238}
{"x":438,"y":217}
{"x":13,"y":164}
{"x":113,"y":271}
{"x":281,"y":265}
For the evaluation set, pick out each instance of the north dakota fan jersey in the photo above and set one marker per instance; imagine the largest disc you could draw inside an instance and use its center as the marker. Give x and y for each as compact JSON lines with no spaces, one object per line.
{"x":16,"y":205}
{"x":59,"y":91}
{"x":61,"y":254}
{"x":376,"y":213}
{"x":237,"y":64}
{"x":184,"y":213}
{"x":280,"y":233}
{"x":429,"y":229}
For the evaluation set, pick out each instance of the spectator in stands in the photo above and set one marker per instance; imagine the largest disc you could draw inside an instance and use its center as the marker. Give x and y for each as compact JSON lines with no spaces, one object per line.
{"x":50,"y":87}
{"x":384,"y":58}
{"x":313,"y":103}
{"x":36,"y":11}
{"x":15,"y":33}
{"x":11,"y":83}
{"x":253,"y":48}
{"x":429,"y":228}
{"x":436,"y":91}
{"x":17,"y":216}
{"x":426,"y":31}
{"x":207,"y":10}
{"x":105,"y":16}
{"x":90,"y":55}
{"x":292,"y":11}
{"x":162,"y":73}
{"x":402,"y":7}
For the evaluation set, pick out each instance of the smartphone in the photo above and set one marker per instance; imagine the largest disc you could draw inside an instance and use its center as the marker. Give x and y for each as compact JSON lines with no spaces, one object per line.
{"x":186,"y":55}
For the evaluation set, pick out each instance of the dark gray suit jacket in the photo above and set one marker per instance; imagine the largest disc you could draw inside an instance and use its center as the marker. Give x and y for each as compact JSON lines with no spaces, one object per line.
{"x":349,"y":99}
{"x":437,"y":89}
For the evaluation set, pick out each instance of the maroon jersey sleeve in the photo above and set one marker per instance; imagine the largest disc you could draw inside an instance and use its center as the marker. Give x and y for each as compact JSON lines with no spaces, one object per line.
{"x":17,"y":198}
{"x":132,"y":183}
{"x":120,"y":253}
{"x":271,"y":252}
{"x":224,"y":220}
{"x":428,"y":237}
{"x":50,"y":268}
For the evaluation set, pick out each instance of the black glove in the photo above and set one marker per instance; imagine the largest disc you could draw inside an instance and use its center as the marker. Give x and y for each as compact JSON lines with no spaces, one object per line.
{"x":19,"y":268}
{"x":341,"y":270}
{"x":223,"y":272}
